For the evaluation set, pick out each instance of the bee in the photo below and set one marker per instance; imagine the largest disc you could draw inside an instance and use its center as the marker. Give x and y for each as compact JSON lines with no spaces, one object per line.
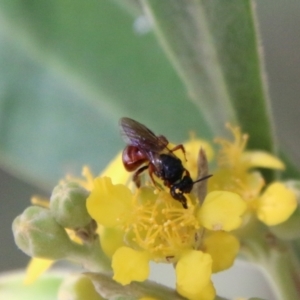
{"x":145,"y":150}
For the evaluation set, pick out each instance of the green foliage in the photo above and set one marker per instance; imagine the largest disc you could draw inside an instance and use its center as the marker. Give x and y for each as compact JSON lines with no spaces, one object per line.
{"x":12,"y":287}
{"x":214,"y":47}
{"x":71,"y":70}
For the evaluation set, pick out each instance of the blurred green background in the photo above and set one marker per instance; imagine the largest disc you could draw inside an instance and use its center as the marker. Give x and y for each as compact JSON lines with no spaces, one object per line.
{"x":279,"y":27}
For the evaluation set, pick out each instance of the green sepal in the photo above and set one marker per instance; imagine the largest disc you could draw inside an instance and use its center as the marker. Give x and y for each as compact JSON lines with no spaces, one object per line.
{"x":38,"y":235}
{"x":68,"y":205}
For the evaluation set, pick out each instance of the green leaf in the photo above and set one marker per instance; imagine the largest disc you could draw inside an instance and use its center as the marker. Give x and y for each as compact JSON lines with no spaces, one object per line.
{"x":292,"y":171}
{"x":213,"y":46}
{"x":69,"y":71}
{"x":46,"y":287}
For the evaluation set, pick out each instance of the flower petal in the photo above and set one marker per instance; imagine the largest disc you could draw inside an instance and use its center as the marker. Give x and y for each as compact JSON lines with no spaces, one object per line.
{"x":222,"y":210}
{"x":262,"y":159}
{"x":111,"y":239}
{"x":276,"y":204}
{"x":193,"y":271}
{"x":108,"y":203}
{"x":130,"y":265}
{"x":223,"y":248}
{"x":35,"y":268}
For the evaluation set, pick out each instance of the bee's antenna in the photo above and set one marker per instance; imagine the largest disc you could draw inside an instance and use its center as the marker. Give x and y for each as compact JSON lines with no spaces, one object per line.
{"x":203,"y":178}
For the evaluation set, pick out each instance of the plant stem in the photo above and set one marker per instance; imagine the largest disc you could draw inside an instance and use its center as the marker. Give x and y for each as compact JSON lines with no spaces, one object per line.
{"x":91,"y":257}
{"x":284,"y":269}
{"x":108,"y":288}
{"x":277,"y":258}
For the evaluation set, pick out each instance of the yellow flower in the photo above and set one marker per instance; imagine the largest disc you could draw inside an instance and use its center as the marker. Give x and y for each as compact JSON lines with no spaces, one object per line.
{"x":147,"y":224}
{"x":236,"y":173}
{"x":150,"y":221}
{"x":156,"y":227}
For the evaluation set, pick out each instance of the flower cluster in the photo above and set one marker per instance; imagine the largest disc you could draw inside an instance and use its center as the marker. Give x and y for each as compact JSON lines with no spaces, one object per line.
{"x":150,"y":225}
{"x":136,"y":226}
{"x":237,"y":172}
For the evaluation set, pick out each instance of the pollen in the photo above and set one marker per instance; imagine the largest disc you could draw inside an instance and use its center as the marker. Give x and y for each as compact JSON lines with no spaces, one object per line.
{"x":162,"y":227}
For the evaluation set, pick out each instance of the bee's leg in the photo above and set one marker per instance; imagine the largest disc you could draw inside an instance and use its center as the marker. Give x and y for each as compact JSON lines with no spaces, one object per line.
{"x":180,"y":146}
{"x":136,"y":176}
{"x":151,"y":172}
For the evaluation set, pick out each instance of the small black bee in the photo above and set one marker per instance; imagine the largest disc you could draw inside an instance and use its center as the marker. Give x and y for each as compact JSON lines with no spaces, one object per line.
{"x":145,"y":150}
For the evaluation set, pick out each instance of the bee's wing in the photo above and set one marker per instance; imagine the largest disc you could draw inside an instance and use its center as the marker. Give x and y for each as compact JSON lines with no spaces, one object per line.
{"x":137,"y":134}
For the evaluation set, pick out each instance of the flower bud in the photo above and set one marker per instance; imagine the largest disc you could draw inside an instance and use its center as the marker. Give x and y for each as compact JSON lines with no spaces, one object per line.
{"x":68,"y":205}
{"x":38,"y":235}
